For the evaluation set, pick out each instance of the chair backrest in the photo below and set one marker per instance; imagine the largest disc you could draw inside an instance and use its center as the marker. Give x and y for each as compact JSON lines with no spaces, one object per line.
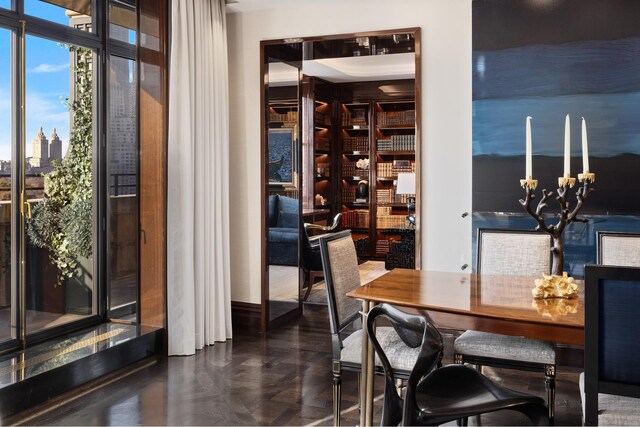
{"x":414,"y":330}
{"x":621,"y":249}
{"x":513,"y":252}
{"x":612,"y":349}
{"x":341,"y":275}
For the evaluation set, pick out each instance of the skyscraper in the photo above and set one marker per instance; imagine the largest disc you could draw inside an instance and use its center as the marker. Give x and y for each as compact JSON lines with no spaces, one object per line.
{"x":40,"y":153}
{"x":55,"y":147}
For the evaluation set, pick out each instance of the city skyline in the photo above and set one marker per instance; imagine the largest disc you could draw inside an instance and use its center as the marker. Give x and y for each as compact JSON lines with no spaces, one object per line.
{"x":47,"y":82}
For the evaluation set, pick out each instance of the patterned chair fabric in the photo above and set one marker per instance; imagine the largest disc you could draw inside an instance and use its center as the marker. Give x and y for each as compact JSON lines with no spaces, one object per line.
{"x":514,"y":253}
{"x":511,"y":253}
{"x":341,"y":273}
{"x":621,"y":249}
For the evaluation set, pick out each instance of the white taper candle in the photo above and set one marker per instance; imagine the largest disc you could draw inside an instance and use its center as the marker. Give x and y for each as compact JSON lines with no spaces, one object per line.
{"x":585,"y":149}
{"x":528,"y":172}
{"x":567,"y":147}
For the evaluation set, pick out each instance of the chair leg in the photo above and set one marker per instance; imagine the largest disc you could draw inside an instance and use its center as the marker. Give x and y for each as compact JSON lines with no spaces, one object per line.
{"x":312,"y":278}
{"x":462,"y":421}
{"x":337,"y":397}
{"x":550,"y":385}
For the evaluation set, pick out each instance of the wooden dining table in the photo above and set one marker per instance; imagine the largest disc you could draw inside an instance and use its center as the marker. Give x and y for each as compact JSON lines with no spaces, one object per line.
{"x":461,"y":301}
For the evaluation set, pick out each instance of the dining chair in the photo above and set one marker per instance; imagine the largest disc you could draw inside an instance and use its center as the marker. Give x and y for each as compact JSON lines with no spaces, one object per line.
{"x":311,"y":260}
{"x":436,"y":396}
{"x":618,"y":248}
{"x":511,"y":253}
{"x":340,"y":265}
{"x":610,"y":383}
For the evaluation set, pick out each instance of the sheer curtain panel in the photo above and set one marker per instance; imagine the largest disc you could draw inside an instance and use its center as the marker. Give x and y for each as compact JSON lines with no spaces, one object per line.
{"x":198,"y":277}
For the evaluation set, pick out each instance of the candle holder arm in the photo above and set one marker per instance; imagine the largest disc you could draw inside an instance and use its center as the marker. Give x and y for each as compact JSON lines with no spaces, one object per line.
{"x":537,"y":214}
{"x":581,"y":195}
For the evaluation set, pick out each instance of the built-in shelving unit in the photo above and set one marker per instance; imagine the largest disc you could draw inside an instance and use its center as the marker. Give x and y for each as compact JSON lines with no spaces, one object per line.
{"x":382,"y":132}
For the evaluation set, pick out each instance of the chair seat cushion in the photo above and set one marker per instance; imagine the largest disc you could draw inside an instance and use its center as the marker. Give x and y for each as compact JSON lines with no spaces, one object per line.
{"x":614,"y":410}
{"x":399,"y":354}
{"x":497,"y":346}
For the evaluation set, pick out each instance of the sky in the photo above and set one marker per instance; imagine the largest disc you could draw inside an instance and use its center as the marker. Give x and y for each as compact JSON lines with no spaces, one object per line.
{"x":47,"y":83}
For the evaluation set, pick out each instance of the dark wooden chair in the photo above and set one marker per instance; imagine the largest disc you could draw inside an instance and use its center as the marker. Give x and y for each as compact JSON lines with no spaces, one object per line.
{"x":436,"y":396}
{"x":311,"y":259}
{"x":341,"y":275}
{"x":619,"y":248}
{"x":511,"y":253}
{"x":610,"y":384}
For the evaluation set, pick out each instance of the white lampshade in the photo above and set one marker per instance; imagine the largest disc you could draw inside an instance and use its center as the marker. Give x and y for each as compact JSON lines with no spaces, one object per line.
{"x":406,"y":183}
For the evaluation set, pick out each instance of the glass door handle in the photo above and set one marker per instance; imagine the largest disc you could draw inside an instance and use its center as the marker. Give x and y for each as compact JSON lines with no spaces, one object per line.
{"x":25,"y":205}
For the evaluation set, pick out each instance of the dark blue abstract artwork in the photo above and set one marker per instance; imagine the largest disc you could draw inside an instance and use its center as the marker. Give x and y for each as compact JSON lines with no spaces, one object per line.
{"x":547,"y":59}
{"x":281,"y":156}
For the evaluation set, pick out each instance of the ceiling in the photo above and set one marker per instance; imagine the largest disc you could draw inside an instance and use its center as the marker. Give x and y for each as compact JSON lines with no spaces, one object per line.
{"x":237,"y":6}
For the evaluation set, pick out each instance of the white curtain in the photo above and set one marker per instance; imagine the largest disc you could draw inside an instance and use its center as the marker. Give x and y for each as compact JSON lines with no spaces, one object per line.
{"x":198,"y":289}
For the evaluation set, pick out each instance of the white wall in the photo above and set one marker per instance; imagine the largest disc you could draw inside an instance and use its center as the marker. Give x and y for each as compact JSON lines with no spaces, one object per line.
{"x":446,"y":118}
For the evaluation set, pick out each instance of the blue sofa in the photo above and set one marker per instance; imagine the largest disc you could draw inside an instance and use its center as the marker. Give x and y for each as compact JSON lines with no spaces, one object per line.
{"x":284,"y":220}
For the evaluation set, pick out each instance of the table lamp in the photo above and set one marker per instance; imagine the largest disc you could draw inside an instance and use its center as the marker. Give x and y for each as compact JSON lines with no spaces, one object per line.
{"x":406,"y":184}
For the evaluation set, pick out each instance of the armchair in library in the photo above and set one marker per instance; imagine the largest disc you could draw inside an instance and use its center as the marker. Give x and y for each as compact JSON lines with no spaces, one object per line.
{"x":311,"y":259}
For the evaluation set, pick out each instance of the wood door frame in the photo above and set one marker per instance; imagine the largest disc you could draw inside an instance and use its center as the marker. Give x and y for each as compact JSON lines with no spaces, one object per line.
{"x":264,"y":226}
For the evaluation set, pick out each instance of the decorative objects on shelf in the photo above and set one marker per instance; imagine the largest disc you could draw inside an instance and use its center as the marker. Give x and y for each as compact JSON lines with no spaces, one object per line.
{"x":561,"y":284}
{"x":407,"y":185}
{"x":362,"y":192}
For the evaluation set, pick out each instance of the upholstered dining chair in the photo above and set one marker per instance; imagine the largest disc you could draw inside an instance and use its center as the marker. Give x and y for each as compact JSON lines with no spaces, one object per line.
{"x":610,"y":384}
{"x":511,"y":253}
{"x":618,"y":248}
{"x":436,"y":396}
{"x":341,"y":275}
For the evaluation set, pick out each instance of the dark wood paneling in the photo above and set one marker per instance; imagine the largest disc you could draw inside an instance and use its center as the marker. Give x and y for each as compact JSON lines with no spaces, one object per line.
{"x":245,"y":316}
{"x":153,"y":114}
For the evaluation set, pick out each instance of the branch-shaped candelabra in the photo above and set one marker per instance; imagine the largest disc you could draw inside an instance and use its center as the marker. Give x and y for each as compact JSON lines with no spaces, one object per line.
{"x":566,"y":215}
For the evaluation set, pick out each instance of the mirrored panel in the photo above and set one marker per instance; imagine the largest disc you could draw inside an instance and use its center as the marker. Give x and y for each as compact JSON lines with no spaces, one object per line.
{"x":281,"y":158}
{"x":355,"y":100}
{"x":7,"y":297}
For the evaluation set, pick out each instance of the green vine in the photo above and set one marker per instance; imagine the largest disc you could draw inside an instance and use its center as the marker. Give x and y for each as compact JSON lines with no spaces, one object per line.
{"x":62,"y":222}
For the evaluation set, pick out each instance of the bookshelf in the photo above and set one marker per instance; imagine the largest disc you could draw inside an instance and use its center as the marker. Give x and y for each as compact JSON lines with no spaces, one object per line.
{"x":382,"y":132}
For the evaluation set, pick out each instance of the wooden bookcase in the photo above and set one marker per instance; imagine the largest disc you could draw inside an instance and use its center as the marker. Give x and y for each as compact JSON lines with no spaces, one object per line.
{"x":384,"y":133}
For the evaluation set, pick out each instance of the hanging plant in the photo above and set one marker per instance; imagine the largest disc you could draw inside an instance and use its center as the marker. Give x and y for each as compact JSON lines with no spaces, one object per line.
{"x":62,"y":222}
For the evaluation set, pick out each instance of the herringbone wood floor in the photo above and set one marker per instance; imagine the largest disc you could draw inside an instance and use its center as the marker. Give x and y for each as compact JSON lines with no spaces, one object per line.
{"x":280,"y":379}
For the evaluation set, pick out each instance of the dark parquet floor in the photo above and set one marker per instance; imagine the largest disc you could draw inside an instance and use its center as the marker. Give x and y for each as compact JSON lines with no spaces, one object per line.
{"x":280,"y":379}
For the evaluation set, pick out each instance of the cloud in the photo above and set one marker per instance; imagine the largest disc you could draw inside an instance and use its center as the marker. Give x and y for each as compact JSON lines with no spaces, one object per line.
{"x":50,"y":68}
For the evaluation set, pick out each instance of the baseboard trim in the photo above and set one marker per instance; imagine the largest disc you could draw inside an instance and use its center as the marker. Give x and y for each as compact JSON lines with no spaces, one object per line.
{"x":246,"y":316}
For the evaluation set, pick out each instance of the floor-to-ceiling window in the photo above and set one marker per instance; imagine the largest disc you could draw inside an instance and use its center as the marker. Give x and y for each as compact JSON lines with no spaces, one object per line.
{"x":68,"y":166}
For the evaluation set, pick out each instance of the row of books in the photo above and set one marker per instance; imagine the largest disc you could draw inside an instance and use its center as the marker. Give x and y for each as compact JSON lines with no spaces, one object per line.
{"x":396,"y":118}
{"x":388,"y":195}
{"x":391,"y":169}
{"x":397,"y":143}
{"x":348,"y":194}
{"x":321,"y":119}
{"x":356,"y":143}
{"x":323,"y":143}
{"x":362,"y":244}
{"x":391,"y":221}
{"x":354,"y":117}
{"x":289,"y":116}
{"x":350,"y":169}
{"x":357,"y":218}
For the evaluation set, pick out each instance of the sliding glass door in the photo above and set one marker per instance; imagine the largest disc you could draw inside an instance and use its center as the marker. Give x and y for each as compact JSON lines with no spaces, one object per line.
{"x":59,"y":183}
{"x":8,"y":300}
{"x":50,"y":233}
